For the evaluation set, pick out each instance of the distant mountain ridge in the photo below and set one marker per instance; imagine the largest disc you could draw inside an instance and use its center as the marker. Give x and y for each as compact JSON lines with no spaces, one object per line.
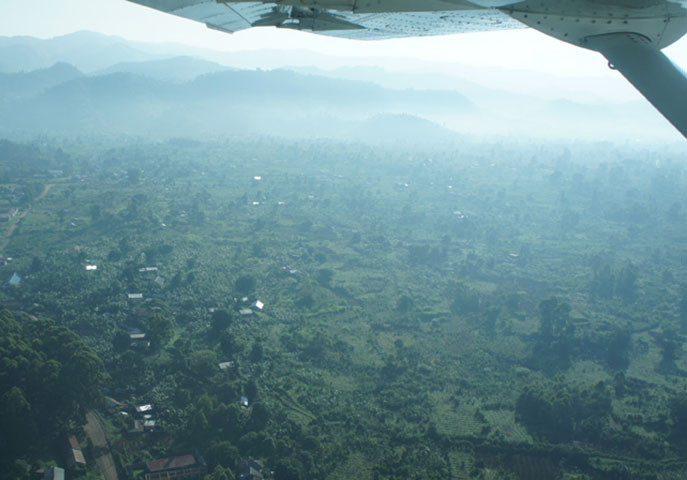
{"x":18,"y":85}
{"x":86,"y":83}
{"x":278,"y":102}
{"x":175,"y":69}
{"x":87,"y":51}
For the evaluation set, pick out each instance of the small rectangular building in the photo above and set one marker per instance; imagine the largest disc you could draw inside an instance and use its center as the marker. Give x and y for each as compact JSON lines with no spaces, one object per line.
{"x":144,"y":408}
{"x":147,"y":269}
{"x":226,"y":365}
{"x":74,"y":454}
{"x":54,"y":473}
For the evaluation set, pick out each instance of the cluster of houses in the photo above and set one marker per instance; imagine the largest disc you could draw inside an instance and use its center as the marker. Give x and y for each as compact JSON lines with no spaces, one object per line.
{"x":256,"y":305}
{"x":138,"y":338}
{"x":74,"y":459}
{"x":140,"y":420}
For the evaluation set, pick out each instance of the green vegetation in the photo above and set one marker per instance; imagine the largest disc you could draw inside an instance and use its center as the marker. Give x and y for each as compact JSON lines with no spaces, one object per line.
{"x":342,"y":311}
{"x":49,"y":378}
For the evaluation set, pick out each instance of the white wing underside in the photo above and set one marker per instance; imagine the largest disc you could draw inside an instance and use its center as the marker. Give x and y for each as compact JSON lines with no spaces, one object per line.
{"x":234,"y":16}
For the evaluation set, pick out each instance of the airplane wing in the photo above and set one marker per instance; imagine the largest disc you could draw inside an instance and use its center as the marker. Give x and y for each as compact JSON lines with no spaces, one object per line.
{"x":342,"y":18}
{"x":629,"y":33}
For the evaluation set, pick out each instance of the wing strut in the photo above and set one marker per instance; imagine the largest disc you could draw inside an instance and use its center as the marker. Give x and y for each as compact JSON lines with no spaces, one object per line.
{"x":649,"y":70}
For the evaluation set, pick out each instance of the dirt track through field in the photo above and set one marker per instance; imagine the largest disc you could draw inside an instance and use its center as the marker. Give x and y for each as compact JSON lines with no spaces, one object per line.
{"x":13,"y":227}
{"x":101,"y":449}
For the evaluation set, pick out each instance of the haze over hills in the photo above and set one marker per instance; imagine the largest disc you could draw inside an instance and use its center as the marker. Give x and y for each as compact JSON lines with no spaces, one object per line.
{"x":18,"y":85}
{"x":230,"y":102}
{"x":93,"y":52}
{"x":146,"y":89}
{"x":175,"y":69}
{"x":87,"y":51}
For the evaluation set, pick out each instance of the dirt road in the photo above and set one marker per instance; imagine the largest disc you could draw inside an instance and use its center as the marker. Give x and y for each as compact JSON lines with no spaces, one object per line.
{"x":101,"y":449}
{"x":13,"y":227}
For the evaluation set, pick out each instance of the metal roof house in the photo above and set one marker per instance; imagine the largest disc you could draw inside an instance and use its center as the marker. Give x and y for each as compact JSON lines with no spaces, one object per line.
{"x":74,"y":454}
{"x":226,"y":365}
{"x":54,"y":473}
{"x":144,"y":408}
{"x":14,"y":280}
{"x":251,"y":470}
{"x":190,"y":466}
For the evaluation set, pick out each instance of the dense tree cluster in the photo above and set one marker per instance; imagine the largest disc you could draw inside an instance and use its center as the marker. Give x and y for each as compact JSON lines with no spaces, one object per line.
{"x":49,"y":378}
{"x":562,"y":413}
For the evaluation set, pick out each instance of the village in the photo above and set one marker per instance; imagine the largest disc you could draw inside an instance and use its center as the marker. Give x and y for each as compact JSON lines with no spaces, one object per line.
{"x":326,"y":311}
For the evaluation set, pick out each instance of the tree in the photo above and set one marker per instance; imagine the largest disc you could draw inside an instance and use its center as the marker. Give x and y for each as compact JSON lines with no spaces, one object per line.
{"x":121,"y":341}
{"x":160,"y":329}
{"x":257,"y":352}
{"x":257,"y":444}
{"x":678,"y":413}
{"x":203,"y":363}
{"x":220,"y":473}
{"x":229,"y":421}
{"x":627,"y":283}
{"x":81,"y":377}
{"x":556,"y":336}
{"x":95,"y":211}
{"x":324,"y":276}
{"x":220,"y":320}
{"x":603,"y":283}
{"x":36,"y":265}
{"x":251,"y":390}
{"x":286,"y":470}
{"x":559,"y":412}
{"x":670,"y":342}
{"x":229,"y":344}
{"x":554,"y":318}
{"x":404,"y":304}
{"x":259,"y":415}
{"x":16,"y":420}
{"x":225,"y":454}
{"x":617,"y":351}
{"x":198,"y":426}
{"x":465,"y":300}
{"x":245,"y":284}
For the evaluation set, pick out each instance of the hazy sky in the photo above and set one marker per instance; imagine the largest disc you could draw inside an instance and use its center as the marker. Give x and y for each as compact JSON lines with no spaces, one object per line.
{"x":523,"y":49}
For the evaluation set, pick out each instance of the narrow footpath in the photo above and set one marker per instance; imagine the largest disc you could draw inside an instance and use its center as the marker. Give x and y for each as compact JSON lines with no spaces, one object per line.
{"x":13,"y":227}
{"x":101,"y":449}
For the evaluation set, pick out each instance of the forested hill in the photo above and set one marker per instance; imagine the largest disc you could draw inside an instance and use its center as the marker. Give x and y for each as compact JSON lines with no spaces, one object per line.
{"x":275,"y":102}
{"x":26,"y":84}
